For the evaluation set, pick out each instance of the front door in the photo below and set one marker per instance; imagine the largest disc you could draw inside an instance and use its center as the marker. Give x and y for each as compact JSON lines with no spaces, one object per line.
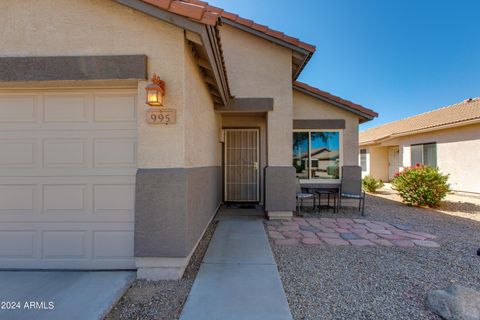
{"x":241,"y":160}
{"x":393,"y":162}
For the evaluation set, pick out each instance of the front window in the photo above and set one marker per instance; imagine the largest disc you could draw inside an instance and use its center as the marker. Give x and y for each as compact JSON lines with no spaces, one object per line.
{"x":425,"y":154}
{"x":316,"y":154}
{"x":363,"y":159}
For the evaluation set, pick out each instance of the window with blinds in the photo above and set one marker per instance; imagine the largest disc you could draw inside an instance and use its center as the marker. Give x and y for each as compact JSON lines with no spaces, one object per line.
{"x":425,"y":153}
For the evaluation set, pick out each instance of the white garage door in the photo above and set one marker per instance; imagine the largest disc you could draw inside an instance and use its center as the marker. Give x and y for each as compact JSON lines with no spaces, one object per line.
{"x":67,"y":178}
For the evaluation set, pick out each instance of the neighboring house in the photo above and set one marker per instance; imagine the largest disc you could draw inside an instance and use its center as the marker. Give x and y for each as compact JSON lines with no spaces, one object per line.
{"x":447,"y":138}
{"x":91,"y":177}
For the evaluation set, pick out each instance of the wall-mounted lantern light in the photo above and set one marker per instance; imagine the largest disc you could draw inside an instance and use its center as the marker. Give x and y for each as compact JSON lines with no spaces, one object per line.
{"x":155,"y":92}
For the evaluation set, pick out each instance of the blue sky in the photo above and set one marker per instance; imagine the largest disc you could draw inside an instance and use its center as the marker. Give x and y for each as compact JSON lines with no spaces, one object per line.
{"x":399,"y":57}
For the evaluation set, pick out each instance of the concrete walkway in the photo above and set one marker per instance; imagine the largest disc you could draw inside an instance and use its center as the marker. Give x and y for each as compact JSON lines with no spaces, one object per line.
{"x":61,"y":295}
{"x":238,"y":278}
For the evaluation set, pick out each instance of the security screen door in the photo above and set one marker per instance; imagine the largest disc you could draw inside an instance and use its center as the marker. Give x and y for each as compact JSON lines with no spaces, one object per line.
{"x":241,"y":165}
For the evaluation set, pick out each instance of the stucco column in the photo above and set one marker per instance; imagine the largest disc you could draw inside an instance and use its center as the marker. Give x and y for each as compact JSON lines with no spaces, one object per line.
{"x":280,"y":174}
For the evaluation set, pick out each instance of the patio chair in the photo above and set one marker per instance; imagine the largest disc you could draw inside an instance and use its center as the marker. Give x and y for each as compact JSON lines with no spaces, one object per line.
{"x":302,"y":196}
{"x":351,"y":186}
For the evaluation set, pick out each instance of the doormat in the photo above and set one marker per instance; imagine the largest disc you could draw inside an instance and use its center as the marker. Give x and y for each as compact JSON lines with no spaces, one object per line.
{"x":241,"y":206}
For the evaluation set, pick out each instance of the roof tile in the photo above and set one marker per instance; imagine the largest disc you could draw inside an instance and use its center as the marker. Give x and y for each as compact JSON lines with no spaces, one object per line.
{"x":275,"y":34}
{"x":163,"y":4}
{"x":245,"y":22}
{"x":202,"y":12}
{"x":193,"y":11}
{"x":292,"y":40}
{"x":458,"y":113}
{"x":229,"y":15}
{"x":259,"y":27}
{"x":209,"y":18}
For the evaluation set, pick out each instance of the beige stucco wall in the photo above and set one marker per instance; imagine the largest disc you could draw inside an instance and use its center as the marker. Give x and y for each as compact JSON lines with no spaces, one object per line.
{"x":457,"y":154}
{"x":99,"y":27}
{"x":379,"y":163}
{"x":203,"y":125}
{"x":259,"y":68}
{"x":309,"y":108}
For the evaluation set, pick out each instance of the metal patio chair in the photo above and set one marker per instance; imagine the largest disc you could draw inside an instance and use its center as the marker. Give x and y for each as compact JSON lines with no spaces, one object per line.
{"x":351,"y":187}
{"x":301,"y":196}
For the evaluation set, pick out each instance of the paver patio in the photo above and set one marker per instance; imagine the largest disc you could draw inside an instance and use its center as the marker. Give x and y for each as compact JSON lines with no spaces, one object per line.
{"x":346,"y":231}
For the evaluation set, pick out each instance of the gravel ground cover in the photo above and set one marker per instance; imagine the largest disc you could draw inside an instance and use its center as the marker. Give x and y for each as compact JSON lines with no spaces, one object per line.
{"x":376,"y":282}
{"x":161,"y":300}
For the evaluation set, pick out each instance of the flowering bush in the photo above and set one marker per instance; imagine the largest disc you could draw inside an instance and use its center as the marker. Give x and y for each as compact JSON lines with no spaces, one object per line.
{"x":370,"y":184}
{"x":421,"y":186}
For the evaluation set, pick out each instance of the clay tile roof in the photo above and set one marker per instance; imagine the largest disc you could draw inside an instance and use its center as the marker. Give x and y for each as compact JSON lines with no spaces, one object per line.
{"x":202,"y":12}
{"x":337,"y":99}
{"x":455,"y":114}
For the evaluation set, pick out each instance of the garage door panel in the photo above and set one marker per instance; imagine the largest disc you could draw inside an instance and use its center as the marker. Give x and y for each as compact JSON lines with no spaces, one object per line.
{"x":114,"y":199}
{"x":62,"y":199}
{"x":112,"y":217}
{"x":115,"y":152}
{"x":113,"y":244}
{"x":18,"y":199}
{"x":113,"y":108}
{"x":15,"y":153}
{"x":67,"y":179}
{"x":15,"y":108}
{"x":66,"y":108}
{"x":108,"y":200}
{"x":65,"y":244}
{"x":17,"y":244}
{"x":65,"y":153}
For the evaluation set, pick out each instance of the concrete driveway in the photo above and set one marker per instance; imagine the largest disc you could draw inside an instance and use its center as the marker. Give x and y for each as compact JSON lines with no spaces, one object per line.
{"x":60,"y":294}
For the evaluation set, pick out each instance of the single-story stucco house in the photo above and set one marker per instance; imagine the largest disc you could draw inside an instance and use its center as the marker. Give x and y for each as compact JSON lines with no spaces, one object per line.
{"x":125,"y":124}
{"x":447,"y":138}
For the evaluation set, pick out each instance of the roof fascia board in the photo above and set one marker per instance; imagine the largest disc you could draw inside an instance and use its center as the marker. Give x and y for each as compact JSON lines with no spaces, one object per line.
{"x":264,"y":36}
{"x":436,"y":128}
{"x":163,"y":15}
{"x":205,"y":33}
{"x":413,"y":132}
{"x":213,"y":51}
{"x":363,"y":115}
{"x":304,"y":63}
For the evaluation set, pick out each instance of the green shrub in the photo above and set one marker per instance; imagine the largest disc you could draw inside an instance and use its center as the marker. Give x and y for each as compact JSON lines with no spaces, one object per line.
{"x":421,"y":186}
{"x":370,"y":184}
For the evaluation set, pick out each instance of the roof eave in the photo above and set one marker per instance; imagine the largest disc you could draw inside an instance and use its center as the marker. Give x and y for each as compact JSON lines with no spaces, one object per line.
{"x":208,"y":38}
{"x":419,"y":131}
{"x":364,"y":117}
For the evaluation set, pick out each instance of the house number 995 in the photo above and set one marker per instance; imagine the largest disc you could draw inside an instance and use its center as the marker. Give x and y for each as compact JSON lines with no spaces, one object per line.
{"x":161,"y":116}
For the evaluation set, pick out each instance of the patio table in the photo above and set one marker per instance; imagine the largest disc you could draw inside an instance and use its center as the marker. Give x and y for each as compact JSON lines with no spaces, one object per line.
{"x":324,"y":188}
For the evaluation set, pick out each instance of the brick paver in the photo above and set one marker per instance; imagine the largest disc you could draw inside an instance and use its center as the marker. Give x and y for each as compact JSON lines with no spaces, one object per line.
{"x":292,"y":234}
{"x":403,"y":243}
{"x":361,"y":242}
{"x":311,"y":241}
{"x":426,"y":243}
{"x":275,"y":235}
{"x":346,"y":232}
{"x":336,"y":242}
{"x":287,"y":242}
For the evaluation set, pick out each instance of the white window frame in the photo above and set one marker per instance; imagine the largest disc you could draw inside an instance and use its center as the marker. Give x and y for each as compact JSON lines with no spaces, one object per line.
{"x":366,"y":159}
{"x":340,"y":164}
